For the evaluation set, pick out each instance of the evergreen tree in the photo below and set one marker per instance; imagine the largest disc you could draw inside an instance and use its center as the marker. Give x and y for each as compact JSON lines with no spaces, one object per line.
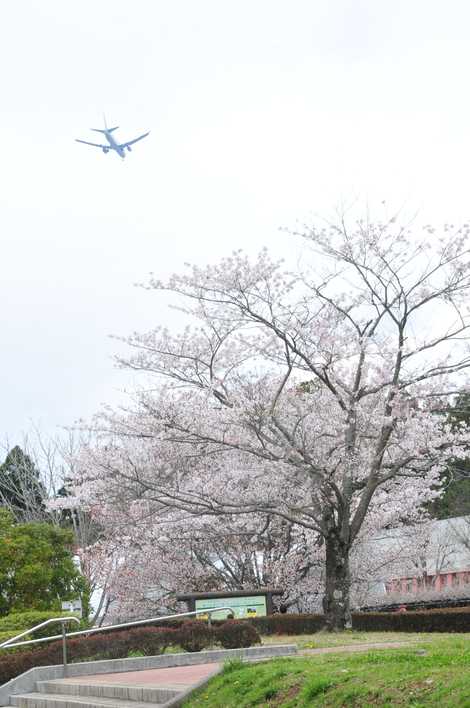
{"x":456,"y":478}
{"x":21,"y":489}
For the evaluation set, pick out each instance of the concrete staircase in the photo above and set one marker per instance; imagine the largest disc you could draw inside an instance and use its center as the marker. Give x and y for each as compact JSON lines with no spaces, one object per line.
{"x":60,"y":694}
{"x":161,"y":681}
{"x":157,"y":688}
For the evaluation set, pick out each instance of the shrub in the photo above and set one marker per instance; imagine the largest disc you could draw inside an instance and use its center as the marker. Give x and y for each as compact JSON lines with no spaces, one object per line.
{"x":195,"y":636}
{"x":456,"y":619}
{"x":235,"y":634}
{"x":19,"y":621}
{"x":6,"y":635}
{"x":288,"y":624}
{"x":148,"y":641}
{"x":453,"y":619}
{"x":15,"y":664}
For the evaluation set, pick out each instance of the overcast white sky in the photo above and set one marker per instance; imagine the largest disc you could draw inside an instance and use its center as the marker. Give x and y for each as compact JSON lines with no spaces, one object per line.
{"x":260,"y":111}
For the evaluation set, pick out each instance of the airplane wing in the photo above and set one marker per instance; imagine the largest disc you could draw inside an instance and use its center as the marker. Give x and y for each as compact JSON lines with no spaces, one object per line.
{"x":97,"y":145}
{"x":131,"y":142}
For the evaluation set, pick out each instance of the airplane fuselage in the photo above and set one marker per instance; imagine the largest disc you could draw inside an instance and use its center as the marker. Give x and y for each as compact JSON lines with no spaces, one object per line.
{"x":113,"y":145}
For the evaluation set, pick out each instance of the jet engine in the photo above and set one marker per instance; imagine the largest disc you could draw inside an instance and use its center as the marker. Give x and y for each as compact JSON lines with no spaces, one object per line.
{"x":105,"y":150}
{"x":129,"y":148}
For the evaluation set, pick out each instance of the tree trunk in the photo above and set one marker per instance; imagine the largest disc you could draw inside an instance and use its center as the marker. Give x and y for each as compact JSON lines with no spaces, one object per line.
{"x":336,"y":600}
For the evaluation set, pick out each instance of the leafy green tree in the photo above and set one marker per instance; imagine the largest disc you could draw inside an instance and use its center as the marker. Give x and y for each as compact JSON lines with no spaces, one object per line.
{"x":21,"y":489}
{"x":36,"y":566}
{"x":456,"y":498}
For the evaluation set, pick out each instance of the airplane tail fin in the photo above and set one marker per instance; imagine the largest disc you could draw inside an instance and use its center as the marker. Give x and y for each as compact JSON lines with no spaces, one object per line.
{"x":107,"y":130}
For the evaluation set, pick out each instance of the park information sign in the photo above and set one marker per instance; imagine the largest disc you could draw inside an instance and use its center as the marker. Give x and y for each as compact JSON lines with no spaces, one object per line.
{"x":247,"y":606}
{"x":256,"y":602}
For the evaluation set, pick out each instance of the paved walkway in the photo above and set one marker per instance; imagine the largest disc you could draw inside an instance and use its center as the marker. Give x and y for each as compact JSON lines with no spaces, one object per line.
{"x":175,"y":676}
{"x":355,"y":647}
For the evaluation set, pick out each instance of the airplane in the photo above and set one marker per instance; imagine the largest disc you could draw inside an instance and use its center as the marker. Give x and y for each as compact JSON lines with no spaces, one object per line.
{"x":120,"y":148}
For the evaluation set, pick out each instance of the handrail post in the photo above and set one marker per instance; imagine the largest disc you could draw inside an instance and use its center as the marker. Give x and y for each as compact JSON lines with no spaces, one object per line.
{"x":64,"y":648}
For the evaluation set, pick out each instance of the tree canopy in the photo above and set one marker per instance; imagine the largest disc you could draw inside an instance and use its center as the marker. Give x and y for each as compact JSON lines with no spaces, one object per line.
{"x":21,"y":489}
{"x":36,"y":566}
{"x":455,"y":500}
{"x":377,"y":323}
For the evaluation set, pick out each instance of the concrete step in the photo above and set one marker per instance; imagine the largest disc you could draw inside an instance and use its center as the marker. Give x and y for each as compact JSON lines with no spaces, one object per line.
{"x":53,"y":700}
{"x":142,"y":694}
{"x":179,"y":673}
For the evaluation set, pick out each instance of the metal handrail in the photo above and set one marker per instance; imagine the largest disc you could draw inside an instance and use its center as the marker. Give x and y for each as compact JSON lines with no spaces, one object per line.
{"x":10,"y":643}
{"x":54,"y":620}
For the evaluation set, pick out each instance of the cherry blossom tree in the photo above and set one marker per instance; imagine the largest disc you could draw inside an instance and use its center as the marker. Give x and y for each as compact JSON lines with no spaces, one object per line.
{"x":142,"y":562}
{"x":310,"y":395}
{"x":145,"y":557}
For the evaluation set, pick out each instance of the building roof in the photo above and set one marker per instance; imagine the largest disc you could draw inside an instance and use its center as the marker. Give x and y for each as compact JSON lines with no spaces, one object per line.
{"x":233,"y":593}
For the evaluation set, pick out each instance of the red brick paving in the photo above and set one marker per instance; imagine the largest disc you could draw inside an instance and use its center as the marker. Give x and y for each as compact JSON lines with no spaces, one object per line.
{"x":174,"y":675}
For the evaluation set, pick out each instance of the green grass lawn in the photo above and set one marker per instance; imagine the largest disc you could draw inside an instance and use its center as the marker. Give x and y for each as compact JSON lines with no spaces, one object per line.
{"x":433,"y":672}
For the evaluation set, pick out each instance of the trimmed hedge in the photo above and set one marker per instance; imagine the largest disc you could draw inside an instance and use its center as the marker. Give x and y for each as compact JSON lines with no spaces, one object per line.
{"x":195,"y":636}
{"x":149,"y":641}
{"x":455,"y":619}
{"x":191,"y":636}
{"x":288,"y":624}
{"x":9,"y":635}
{"x":19,"y":621}
{"x":452,"y":619}
{"x":237,"y":635}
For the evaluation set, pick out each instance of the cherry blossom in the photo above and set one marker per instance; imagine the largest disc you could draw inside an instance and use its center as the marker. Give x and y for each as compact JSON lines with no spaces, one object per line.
{"x":310,"y":396}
